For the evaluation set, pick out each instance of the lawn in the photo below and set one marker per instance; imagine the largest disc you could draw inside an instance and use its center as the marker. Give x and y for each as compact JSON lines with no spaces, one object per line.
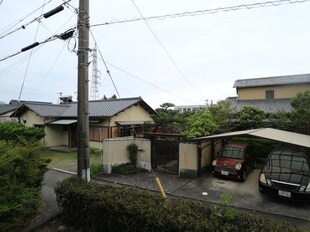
{"x":68,"y":161}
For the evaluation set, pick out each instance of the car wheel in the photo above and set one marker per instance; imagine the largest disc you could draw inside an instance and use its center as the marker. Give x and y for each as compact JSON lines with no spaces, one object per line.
{"x":244,"y":176}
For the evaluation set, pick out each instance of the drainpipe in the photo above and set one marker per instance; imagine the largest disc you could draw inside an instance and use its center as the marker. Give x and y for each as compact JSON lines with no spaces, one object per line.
{"x":199,"y":172}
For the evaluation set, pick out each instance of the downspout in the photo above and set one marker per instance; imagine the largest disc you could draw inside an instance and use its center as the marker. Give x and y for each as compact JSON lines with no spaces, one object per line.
{"x":199,"y":172}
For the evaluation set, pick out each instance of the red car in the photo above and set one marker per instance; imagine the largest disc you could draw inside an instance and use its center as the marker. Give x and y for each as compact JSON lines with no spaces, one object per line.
{"x":234,"y":161}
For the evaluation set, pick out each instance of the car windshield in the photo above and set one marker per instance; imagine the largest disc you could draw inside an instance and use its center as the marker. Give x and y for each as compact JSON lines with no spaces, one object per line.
{"x":233,"y":152}
{"x":289,"y":160}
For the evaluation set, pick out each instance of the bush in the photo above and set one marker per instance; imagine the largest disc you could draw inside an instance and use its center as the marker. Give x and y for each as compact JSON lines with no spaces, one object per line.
{"x":16,"y":132}
{"x":95,"y":169}
{"x":133,"y":153}
{"x":96,"y":207}
{"x":21,"y":171}
{"x":126,"y":169}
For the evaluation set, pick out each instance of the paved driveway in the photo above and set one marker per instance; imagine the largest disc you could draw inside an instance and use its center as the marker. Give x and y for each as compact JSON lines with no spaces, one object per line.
{"x":245,"y":195}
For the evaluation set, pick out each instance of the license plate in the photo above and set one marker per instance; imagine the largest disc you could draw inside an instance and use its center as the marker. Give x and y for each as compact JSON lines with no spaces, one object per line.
{"x":284,"y":194}
{"x":225,"y":173}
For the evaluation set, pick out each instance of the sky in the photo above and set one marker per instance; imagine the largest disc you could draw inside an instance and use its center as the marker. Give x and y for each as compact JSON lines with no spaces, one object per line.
{"x":182,"y":60}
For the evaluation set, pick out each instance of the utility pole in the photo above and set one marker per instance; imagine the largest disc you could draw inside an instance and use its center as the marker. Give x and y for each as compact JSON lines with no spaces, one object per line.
{"x":83,"y":115}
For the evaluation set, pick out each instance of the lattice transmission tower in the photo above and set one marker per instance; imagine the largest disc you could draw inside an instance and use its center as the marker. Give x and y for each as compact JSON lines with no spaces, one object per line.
{"x":95,"y":81}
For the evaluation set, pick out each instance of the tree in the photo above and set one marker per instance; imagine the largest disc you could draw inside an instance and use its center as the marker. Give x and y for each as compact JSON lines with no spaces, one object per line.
{"x":250,"y":118}
{"x":168,"y":119}
{"x":280,"y":120}
{"x":223,"y":113}
{"x":21,"y":170}
{"x":300,"y":115}
{"x":201,"y":123}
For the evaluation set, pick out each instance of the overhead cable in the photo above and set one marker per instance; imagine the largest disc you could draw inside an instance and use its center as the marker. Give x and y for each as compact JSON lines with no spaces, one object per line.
{"x":107,"y":69}
{"x":206,"y":11}
{"x":28,"y":48}
{"x":52,"y":38}
{"x":37,"y":19}
{"x":169,"y":56}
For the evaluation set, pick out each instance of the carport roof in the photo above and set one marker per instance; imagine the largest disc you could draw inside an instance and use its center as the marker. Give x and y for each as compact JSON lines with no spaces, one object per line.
{"x":268,"y":133}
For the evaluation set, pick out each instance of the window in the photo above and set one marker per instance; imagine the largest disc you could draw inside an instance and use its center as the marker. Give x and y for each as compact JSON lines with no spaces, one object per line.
{"x":270,"y":94}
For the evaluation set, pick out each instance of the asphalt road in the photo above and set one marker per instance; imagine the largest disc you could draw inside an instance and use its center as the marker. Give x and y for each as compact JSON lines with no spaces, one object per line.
{"x":245,"y":194}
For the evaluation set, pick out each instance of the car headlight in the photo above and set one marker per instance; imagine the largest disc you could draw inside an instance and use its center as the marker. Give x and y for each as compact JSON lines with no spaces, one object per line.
{"x":214,"y":162}
{"x":262,"y":178}
{"x":302,"y":188}
{"x":238,"y":166}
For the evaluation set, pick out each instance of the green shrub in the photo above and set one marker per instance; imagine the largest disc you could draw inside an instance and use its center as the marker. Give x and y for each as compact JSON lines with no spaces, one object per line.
{"x":259,"y":147}
{"x":126,"y":169}
{"x":95,"y":169}
{"x":96,"y":207}
{"x":15,"y":132}
{"x":133,"y":153}
{"x":21,"y":171}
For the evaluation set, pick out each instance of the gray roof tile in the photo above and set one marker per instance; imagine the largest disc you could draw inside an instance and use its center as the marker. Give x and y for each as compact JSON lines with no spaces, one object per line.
{"x":271,"y":81}
{"x":267,"y":105}
{"x":101,"y":108}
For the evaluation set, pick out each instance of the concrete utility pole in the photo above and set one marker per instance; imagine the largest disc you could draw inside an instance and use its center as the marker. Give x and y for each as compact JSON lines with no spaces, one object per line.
{"x":83,"y":115}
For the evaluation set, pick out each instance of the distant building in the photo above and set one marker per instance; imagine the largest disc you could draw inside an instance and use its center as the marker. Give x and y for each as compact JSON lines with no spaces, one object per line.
{"x":190,"y":108}
{"x":270,"y":94}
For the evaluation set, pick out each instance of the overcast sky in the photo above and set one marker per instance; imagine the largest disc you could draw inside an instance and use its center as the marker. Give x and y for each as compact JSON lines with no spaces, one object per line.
{"x":187,"y":60}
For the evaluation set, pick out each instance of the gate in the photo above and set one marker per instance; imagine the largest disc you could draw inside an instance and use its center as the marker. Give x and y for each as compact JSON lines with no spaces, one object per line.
{"x":165,"y":156}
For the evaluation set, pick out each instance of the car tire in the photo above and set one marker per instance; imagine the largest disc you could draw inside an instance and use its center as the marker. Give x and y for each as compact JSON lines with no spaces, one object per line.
{"x":244,"y":175}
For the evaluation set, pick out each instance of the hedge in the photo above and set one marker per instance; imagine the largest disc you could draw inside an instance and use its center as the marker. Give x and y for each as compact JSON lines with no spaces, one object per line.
{"x":97,"y":207}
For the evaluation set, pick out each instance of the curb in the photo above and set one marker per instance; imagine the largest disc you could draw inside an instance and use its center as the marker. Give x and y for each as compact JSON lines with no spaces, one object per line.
{"x":64,"y":171}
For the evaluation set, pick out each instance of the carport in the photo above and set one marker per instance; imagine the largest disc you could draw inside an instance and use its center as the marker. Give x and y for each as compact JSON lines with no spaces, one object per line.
{"x":267,"y":133}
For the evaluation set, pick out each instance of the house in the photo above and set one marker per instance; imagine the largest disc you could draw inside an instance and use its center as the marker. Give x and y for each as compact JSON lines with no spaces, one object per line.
{"x":190,"y":108}
{"x":270,"y":94}
{"x":108,"y":118}
{"x":7,"y":110}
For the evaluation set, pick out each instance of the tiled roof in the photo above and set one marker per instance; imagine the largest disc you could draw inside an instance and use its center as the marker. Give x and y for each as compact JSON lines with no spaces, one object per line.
{"x":101,"y":108}
{"x":271,"y":81}
{"x":7,"y":108}
{"x":47,"y":110}
{"x":267,"y":105}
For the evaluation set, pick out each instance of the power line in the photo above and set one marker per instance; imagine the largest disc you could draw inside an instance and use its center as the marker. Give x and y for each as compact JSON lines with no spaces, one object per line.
{"x":27,"y":67}
{"x":206,"y":11}
{"x":107,"y":69}
{"x":63,"y":36}
{"x":23,"y":18}
{"x":48,"y":72}
{"x":166,"y":52}
{"x":149,"y":83}
{"x":37,"y":19}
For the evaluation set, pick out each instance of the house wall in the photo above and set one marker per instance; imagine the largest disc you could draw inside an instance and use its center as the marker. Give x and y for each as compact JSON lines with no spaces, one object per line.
{"x":55,"y":135}
{"x":134,"y":113}
{"x":115,"y":153}
{"x":285,"y":91}
{"x":188,"y":159}
{"x":30,"y":119}
{"x":6,"y":117}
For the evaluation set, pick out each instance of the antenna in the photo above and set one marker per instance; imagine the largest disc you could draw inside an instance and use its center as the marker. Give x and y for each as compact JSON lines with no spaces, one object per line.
{"x":94,"y":90}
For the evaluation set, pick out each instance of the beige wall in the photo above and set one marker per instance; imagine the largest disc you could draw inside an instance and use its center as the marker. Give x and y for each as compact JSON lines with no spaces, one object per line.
{"x":285,"y":91}
{"x":55,"y":135}
{"x":188,"y":158}
{"x":206,"y":152}
{"x":30,"y":119}
{"x":134,"y":113}
{"x":115,"y":153}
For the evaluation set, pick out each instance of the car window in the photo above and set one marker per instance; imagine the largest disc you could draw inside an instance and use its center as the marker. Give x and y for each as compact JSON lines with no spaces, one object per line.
{"x":233,"y":152}
{"x":288,"y":160}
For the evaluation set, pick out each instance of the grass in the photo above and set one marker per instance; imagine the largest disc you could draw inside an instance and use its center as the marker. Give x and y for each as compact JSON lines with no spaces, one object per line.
{"x":68,"y":161}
